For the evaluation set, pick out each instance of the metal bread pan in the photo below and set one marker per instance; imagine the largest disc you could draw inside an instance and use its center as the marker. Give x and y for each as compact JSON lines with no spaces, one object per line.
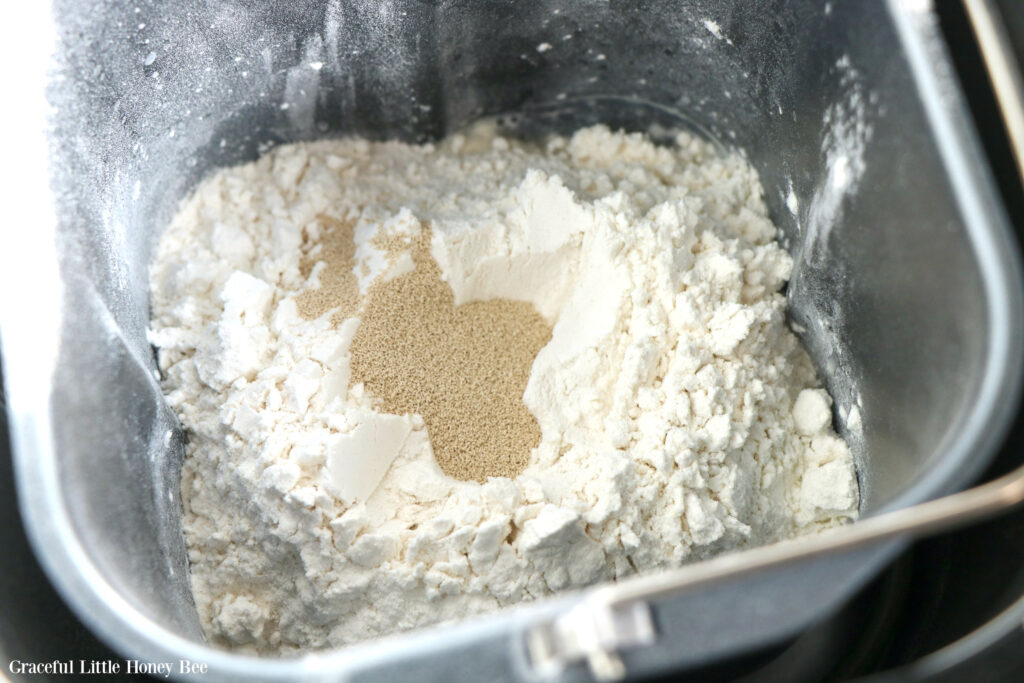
{"x":906,"y":288}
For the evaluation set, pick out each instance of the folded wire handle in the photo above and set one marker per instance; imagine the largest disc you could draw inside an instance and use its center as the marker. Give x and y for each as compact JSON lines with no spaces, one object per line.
{"x":617,"y":617}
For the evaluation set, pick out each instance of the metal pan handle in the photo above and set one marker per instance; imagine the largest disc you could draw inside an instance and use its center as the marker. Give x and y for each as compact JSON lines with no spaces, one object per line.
{"x":617,"y":617}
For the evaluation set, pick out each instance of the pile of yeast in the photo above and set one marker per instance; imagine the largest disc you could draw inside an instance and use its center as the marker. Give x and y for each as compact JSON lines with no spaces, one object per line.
{"x":423,"y":382}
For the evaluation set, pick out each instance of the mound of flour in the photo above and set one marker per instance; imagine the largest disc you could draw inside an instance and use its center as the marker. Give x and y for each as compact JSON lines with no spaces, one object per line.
{"x":679,"y":417}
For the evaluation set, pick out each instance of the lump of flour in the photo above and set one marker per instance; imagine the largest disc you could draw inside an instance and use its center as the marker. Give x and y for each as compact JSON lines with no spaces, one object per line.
{"x":423,"y":382}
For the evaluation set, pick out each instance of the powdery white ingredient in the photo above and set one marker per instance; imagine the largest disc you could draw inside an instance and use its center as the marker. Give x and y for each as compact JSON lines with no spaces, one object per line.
{"x":846,"y":131}
{"x":680,"y":417}
{"x":714,"y":29}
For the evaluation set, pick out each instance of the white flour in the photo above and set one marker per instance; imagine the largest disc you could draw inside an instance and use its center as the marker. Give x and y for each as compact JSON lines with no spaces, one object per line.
{"x":680,"y":417}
